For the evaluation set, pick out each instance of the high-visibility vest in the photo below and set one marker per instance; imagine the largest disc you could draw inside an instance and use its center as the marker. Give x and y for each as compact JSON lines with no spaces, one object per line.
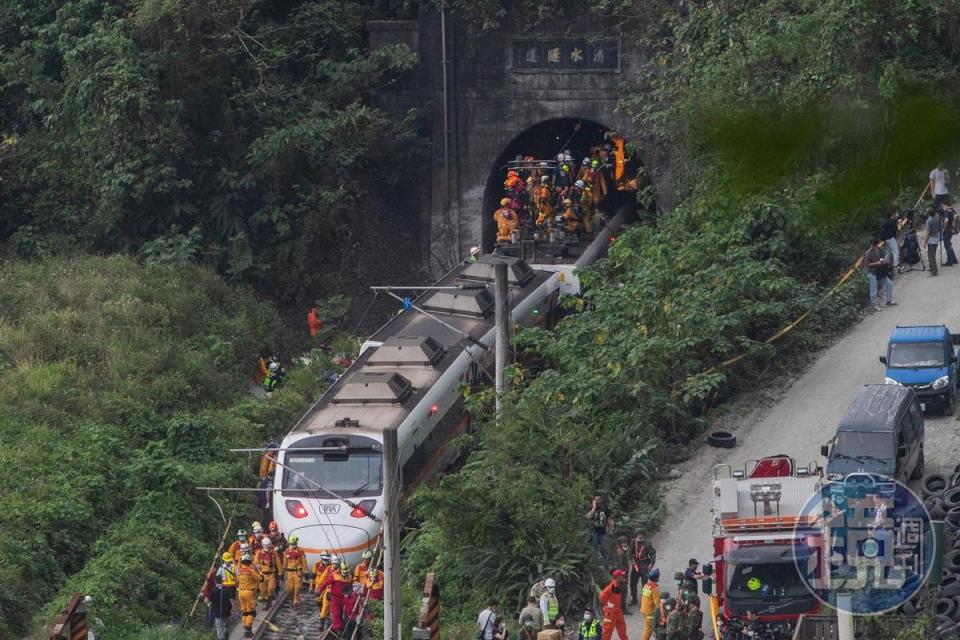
{"x":553,"y":607}
{"x":590,"y":629}
{"x":229,"y":575}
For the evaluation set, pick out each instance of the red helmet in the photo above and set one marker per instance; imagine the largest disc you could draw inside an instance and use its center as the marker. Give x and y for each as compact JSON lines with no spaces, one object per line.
{"x":273,"y":526}
{"x":619,"y":573}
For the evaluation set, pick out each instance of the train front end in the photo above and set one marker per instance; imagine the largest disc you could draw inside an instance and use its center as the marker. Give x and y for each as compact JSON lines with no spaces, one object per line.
{"x":330,"y":493}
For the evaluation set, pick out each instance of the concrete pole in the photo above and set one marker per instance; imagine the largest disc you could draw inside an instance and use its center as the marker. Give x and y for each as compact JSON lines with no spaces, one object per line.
{"x":391,"y":537}
{"x":503,"y":328}
{"x":844,"y":616}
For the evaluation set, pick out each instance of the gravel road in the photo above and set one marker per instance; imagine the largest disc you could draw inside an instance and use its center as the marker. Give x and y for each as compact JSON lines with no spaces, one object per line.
{"x":804,"y":415}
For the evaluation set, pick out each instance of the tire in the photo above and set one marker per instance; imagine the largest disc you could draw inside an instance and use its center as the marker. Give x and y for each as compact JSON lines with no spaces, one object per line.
{"x":918,"y":470}
{"x":936,"y":509}
{"x":934,"y":484}
{"x":951,"y":498}
{"x":950,"y":586}
{"x":951,"y":521}
{"x":946,"y":607}
{"x":722,"y":440}
{"x":951,"y":560}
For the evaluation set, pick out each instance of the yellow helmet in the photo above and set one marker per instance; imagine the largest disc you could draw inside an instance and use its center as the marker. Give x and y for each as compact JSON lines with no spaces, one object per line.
{"x":344,"y":568}
{"x":227,"y":556}
{"x":504,"y":202}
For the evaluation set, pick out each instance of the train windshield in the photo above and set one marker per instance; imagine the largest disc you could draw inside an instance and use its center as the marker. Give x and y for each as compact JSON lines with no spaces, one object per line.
{"x":356,"y":472}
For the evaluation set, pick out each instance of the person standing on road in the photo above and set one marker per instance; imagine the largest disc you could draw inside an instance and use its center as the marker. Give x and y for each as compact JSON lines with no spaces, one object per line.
{"x":622,"y":562}
{"x":486,"y":621}
{"x":590,"y":628}
{"x":610,"y":604}
{"x":220,"y":609}
{"x":692,"y":626}
{"x":888,"y":233}
{"x":644,"y":556}
{"x":934,"y":228}
{"x":530,"y":620}
{"x":549,"y":605}
{"x":691,"y":575}
{"x":650,"y":601}
{"x":948,"y":221}
{"x":939,"y":179}
{"x":601,"y":518}
{"x":878,"y":270}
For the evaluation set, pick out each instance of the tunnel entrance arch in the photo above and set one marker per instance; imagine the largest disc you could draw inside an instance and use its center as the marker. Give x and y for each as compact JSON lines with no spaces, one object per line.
{"x":543,"y":141}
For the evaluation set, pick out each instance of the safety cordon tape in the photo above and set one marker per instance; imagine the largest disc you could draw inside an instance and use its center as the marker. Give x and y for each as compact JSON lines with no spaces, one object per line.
{"x":789,"y":327}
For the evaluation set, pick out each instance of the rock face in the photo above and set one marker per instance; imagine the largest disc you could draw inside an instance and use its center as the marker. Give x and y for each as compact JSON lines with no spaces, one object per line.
{"x":509,"y":91}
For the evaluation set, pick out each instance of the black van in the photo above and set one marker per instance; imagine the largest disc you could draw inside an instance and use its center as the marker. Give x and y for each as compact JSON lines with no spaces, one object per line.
{"x":881,"y":433}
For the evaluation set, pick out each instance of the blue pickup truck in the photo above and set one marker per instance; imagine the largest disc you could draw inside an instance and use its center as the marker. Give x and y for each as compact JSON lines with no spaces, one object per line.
{"x":924,"y":359}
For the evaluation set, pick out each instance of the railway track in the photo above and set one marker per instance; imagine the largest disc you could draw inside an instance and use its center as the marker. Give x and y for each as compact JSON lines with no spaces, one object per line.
{"x":284,"y":622}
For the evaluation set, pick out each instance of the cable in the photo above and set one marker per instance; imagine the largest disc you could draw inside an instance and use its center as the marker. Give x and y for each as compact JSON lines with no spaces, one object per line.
{"x":366,"y":311}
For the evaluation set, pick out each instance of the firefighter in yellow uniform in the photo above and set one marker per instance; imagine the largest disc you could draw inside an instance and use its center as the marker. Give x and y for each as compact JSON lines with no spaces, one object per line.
{"x":360,"y":571}
{"x":248,"y":580}
{"x":571,"y":221}
{"x":329,"y":566}
{"x":294,"y":566}
{"x":506,"y":221}
{"x":650,"y":601}
{"x":267,"y":563}
{"x":235,"y":547}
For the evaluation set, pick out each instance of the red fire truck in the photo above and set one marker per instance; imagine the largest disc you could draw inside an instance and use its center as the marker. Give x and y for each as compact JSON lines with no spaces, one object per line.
{"x":764,"y":535}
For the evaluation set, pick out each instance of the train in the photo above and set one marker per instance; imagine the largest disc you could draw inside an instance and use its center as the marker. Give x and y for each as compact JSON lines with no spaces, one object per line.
{"x":409,"y":377}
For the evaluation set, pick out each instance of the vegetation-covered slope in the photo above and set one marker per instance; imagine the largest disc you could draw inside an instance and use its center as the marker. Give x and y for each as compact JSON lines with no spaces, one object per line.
{"x":120,"y":390}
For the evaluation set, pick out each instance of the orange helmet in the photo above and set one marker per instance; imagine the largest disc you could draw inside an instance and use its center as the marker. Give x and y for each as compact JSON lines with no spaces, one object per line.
{"x":273,"y":526}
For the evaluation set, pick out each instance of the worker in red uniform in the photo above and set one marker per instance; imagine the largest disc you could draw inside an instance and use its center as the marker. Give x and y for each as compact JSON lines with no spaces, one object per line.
{"x":337,"y":582}
{"x":313,"y":321}
{"x":610,"y":603}
{"x":294,"y":566}
{"x":248,"y":579}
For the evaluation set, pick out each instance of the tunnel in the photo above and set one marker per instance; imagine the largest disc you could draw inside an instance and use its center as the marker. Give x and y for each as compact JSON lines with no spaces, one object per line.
{"x":543,"y":141}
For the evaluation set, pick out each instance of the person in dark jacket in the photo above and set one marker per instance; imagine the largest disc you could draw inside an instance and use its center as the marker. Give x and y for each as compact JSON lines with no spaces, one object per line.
{"x":888,"y":233}
{"x":948,"y":221}
{"x":220,"y":609}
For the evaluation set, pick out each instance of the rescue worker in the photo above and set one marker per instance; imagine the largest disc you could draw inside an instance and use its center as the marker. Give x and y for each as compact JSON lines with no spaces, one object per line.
{"x":506,"y":221}
{"x":563,"y":178}
{"x":262,"y":369}
{"x":474,"y":254}
{"x":660,"y":616}
{"x":338,"y":582}
{"x":597,"y":182}
{"x":650,"y":601}
{"x":644,"y":555}
{"x":235,"y":547}
{"x":268,"y":460}
{"x":313,"y":321}
{"x":544,"y":202}
{"x":248,"y":580}
{"x":549,"y":605}
{"x":674,"y":621}
{"x":294,"y":566}
{"x":255,"y":539}
{"x":267,"y":563}
{"x":374,"y":584}
{"x":352,"y":611}
{"x":571,"y":221}
{"x":275,"y":375}
{"x":590,"y":627}
{"x":693,"y":620}
{"x":610,"y":599}
{"x":321,"y":571}
{"x":584,"y":169}
{"x":531,"y":619}
{"x":360,"y":571}
{"x":277,"y":538}
{"x":227,"y":574}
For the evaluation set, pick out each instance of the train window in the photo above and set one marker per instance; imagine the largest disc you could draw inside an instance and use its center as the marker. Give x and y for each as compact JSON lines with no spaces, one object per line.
{"x":353,"y":473}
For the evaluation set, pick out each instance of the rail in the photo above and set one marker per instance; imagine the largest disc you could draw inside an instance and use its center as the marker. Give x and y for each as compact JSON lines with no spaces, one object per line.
{"x":71,"y":624}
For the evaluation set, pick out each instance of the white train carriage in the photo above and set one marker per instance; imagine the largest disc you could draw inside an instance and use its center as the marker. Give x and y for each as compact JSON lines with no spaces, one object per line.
{"x":408,"y":378}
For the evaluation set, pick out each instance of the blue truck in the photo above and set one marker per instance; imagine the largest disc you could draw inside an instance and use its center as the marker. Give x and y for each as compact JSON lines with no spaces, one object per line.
{"x":924,"y":359}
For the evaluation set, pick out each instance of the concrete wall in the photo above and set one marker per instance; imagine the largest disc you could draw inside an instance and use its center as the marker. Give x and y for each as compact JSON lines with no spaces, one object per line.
{"x":490,"y":102}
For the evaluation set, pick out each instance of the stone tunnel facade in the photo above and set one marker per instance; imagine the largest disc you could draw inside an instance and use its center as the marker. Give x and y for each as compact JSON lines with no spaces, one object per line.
{"x":500,"y":84}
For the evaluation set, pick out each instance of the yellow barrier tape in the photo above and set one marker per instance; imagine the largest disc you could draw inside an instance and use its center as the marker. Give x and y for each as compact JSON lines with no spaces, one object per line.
{"x":789,"y":327}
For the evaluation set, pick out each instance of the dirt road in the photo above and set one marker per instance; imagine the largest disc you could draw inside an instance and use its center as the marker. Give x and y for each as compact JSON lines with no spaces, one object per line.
{"x":806,"y":415}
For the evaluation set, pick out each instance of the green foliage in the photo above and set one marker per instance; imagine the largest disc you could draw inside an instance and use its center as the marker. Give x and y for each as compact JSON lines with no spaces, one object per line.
{"x":249,"y":125}
{"x":120,"y":390}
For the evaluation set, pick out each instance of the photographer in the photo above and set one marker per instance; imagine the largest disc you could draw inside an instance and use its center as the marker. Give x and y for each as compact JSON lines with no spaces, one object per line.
{"x":888,"y":233}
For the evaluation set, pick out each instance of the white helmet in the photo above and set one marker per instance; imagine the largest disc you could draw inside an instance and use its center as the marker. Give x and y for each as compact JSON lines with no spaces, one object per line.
{"x":549,"y":583}
{"x":274,"y":366}
{"x":580,"y":183}
{"x":244,"y":547}
{"x":266,"y":543}
{"x":474,"y":251}
{"x":335,"y":560}
{"x":560,"y":157}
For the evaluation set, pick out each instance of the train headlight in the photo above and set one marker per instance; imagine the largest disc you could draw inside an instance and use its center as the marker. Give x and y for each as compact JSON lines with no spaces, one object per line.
{"x":363,"y":508}
{"x":296,"y":509}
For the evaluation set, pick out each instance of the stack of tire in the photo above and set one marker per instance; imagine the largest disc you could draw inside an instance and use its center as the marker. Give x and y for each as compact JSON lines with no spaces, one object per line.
{"x":941,"y":497}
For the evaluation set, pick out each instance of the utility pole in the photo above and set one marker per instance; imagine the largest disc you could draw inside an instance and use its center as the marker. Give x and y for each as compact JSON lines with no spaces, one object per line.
{"x":503,"y":328}
{"x":391,"y":537}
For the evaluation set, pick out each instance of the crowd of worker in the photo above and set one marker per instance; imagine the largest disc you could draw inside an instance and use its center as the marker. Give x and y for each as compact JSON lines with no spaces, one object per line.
{"x":558,"y":199}
{"x":898,"y":246}
{"x":259,"y":562}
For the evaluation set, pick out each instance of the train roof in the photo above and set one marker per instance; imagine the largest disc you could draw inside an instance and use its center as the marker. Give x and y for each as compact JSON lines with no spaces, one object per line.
{"x":384,"y":384}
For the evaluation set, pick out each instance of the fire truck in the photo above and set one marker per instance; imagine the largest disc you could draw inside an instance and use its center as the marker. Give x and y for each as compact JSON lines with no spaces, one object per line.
{"x":764,"y":535}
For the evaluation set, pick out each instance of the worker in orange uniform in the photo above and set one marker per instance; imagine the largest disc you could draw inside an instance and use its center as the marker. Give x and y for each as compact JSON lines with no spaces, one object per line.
{"x":276,"y":537}
{"x":610,"y":602}
{"x":248,"y":580}
{"x":374,"y":584}
{"x":235,"y":547}
{"x":650,"y":601}
{"x":506,"y":221}
{"x":267,"y":563}
{"x":571,"y":221}
{"x":268,"y":460}
{"x":255,"y":538}
{"x":313,"y":321}
{"x":321,"y":571}
{"x":360,"y":571}
{"x":294,"y":566}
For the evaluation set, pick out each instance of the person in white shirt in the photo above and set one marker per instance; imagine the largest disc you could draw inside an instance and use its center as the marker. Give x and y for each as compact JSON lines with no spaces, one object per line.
{"x":939,"y":179}
{"x":486,"y":621}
